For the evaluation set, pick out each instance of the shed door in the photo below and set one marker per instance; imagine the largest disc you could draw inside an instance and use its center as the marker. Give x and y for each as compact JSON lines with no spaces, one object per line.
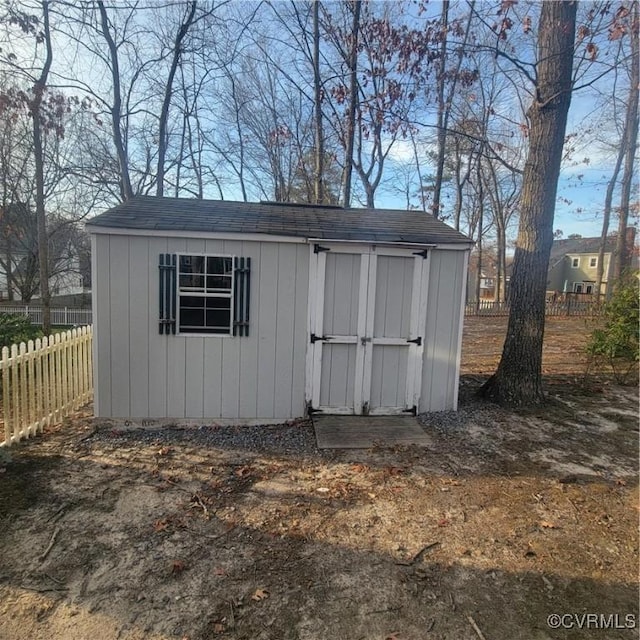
{"x":369,"y":306}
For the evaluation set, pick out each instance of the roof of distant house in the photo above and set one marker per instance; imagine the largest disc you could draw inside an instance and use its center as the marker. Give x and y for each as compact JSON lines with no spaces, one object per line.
{"x":580,"y":245}
{"x":283,"y":219}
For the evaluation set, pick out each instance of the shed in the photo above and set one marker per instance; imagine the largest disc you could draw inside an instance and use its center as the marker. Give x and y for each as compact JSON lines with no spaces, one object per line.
{"x":208,"y":310}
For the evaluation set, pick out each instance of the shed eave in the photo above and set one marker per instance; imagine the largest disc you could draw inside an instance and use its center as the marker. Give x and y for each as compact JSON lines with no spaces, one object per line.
{"x":182,"y":233}
{"x":265,"y":237}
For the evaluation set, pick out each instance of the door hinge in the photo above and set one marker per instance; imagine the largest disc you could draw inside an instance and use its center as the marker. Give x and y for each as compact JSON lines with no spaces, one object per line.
{"x":319,"y":249}
{"x":315,"y":338}
{"x":413,"y":411}
{"x":417,"y":341}
{"x":424,"y":253}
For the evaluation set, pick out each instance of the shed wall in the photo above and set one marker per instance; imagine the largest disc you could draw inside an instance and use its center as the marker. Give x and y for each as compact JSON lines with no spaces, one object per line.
{"x":447,"y":276}
{"x":142,"y":374}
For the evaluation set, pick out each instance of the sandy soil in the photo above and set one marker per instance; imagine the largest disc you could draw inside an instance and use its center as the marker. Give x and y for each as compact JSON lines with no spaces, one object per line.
{"x":506,"y":519}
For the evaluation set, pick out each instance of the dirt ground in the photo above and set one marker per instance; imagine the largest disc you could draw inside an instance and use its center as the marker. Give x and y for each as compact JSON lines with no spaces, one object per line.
{"x":507,"y":519}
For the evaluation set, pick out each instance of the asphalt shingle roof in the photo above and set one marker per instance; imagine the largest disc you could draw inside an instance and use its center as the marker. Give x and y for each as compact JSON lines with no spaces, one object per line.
{"x":567,"y":246}
{"x":306,"y":221}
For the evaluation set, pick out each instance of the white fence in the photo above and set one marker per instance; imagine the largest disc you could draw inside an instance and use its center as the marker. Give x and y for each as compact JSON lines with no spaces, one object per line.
{"x":43,"y":381}
{"x":59,"y":315}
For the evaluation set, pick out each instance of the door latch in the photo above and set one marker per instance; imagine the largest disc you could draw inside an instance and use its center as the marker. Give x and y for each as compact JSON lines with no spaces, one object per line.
{"x":363,"y":341}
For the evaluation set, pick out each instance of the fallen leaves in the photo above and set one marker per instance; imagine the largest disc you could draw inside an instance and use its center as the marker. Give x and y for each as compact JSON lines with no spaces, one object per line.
{"x":260,"y":594}
{"x":177,"y":567}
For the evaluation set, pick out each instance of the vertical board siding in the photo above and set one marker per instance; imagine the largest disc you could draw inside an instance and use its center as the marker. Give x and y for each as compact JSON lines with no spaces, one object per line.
{"x":284,"y":330}
{"x":101,"y":304}
{"x":441,"y":335}
{"x":144,"y":374}
{"x":138,"y":322}
{"x":300,"y":330}
{"x":140,"y":373}
{"x":268,"y":304}
{"x":120,"y":324}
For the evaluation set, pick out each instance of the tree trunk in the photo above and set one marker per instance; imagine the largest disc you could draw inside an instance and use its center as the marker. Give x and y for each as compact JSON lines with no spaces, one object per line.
{"x":621,"y":254}
{"x":166,"y":103}
{"x":38,"y":152}
{"x":353,"y":101}
{"x":441,"y":127}
{"x":317,"y":108}
{"x":606,"y":218}
{"x":518,"y":379}
{"x":126,"y":191}
{"x":479,"y":243}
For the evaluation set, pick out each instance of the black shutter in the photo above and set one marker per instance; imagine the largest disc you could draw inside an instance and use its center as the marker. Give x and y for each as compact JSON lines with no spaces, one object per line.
{"x":242,"y":295}
{"x":168,"y":287}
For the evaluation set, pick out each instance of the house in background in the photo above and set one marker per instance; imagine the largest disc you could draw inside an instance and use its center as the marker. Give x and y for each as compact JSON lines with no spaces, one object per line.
{"x":573,"y":264}
{"x":69,"y":258}
{"x":487,"y":287}
{"x":207,"y":310}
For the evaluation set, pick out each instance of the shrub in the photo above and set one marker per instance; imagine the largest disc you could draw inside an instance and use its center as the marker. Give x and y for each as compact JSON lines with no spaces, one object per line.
{"x":16,"y":329}
{"x":615,"y":344}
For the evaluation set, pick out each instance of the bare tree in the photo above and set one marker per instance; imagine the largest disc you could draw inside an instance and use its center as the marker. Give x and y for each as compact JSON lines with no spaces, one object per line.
{"x":116,"y":107}
{"x":518,"y":379}
{"x":164,"y":111}
{"x":631,"y":144}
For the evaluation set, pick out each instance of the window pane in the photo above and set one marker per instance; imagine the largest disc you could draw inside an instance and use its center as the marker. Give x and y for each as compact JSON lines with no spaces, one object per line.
{"x":191,"y":264}
{"x":218,"y":303}
{"x":192,"y":302}
{"x":219,"y":283}
{"x":220,"y":318}
{"x":192,"y":281}
{"x":219,"y":265}
{"x":205,"y":314}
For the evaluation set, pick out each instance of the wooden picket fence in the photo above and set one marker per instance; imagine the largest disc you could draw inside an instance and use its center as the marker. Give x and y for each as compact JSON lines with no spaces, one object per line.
{"x":43,"y":381}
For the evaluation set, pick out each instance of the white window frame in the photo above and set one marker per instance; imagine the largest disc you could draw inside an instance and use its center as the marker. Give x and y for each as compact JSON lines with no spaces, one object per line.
{"x":575,"y":263}
{"x":576,"y":285}
{"x":205,"y":294}
{"x":593,"y":262}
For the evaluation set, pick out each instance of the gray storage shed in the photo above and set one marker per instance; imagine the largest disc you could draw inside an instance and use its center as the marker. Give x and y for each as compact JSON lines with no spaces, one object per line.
{"x":207,"y":310}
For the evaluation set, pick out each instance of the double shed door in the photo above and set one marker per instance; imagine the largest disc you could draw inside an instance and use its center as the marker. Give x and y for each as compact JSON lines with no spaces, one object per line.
{"x":367,"y":326}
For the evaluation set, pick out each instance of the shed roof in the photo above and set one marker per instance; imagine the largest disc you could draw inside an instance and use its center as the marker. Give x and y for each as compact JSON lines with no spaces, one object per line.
{"x":283,"y":219}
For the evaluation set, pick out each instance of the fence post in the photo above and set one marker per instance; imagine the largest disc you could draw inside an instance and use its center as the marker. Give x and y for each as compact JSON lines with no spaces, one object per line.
{"x":66,"y":317}
{"x":6,"y":395}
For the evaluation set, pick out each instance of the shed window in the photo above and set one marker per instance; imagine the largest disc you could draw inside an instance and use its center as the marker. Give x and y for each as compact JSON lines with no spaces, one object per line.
{"x":205,"y":294}
{"x":575,"y":262}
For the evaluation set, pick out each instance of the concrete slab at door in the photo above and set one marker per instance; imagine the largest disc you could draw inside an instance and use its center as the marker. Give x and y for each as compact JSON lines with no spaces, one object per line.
{"x":364,"y":432}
